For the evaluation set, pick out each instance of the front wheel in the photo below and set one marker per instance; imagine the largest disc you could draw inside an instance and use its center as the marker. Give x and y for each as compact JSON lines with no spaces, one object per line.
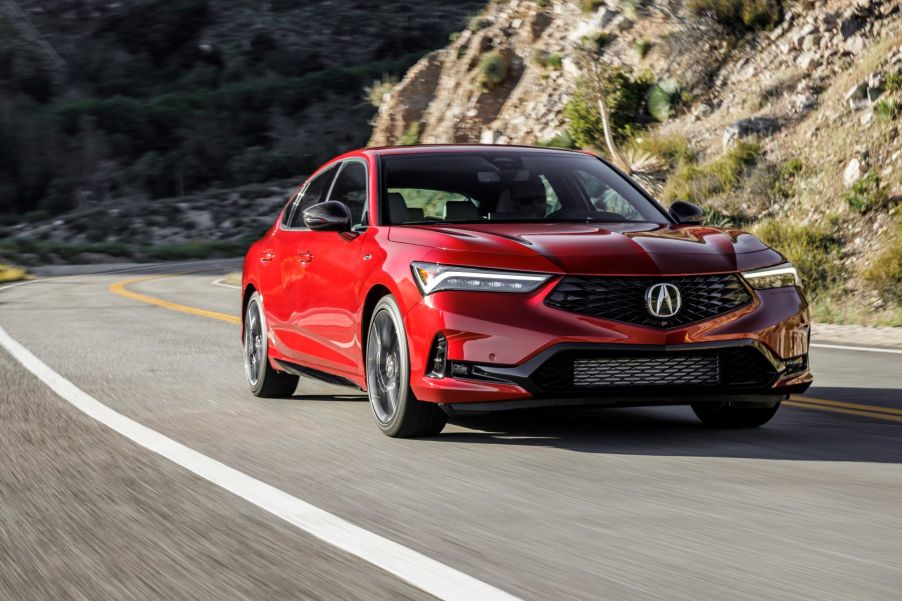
{"x":734,"y":415}
{"x":264,"y":381}
{"x":398,"y":413}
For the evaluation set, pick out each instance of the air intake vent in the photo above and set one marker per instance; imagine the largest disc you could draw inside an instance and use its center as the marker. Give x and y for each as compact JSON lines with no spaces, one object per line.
{"x":572,"y":371}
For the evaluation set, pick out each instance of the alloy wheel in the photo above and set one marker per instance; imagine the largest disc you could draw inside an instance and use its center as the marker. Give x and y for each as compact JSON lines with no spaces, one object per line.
{"x":384,"y":367}
{"x":253,"y":344}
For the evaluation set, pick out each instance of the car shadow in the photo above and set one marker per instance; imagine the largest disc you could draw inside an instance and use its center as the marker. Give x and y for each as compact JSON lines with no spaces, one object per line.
{"x":795,"y":433}
{"x":344,"y":398}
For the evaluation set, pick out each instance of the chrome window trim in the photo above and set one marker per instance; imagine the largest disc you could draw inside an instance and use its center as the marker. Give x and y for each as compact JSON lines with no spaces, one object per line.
{"x":366,"y":175}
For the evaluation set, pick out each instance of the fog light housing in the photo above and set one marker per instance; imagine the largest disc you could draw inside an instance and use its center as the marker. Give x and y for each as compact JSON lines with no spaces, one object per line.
{"x":795,"y":364}
{"x":438,"y":358}
{"x":460,"y":370}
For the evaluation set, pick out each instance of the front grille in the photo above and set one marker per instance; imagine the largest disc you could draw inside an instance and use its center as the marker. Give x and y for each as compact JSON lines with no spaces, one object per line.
{"x":581,"y":370}
{"x":623,"y":298}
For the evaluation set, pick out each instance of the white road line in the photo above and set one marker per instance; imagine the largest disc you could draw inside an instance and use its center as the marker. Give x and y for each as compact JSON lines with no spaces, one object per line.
{"x":411,"y":566}
{"x":866,"y":349}
{"x":219,"y":282}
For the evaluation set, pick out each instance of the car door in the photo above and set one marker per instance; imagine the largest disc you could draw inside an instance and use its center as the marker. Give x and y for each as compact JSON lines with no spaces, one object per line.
{"x":330,"y":292}
{"x":288,"y":270}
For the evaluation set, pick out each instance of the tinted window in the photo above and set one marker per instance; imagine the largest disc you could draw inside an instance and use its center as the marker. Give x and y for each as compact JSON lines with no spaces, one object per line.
{"x":312,"y":195}
{"x":350,"y":188}
{"x":509,"y":185}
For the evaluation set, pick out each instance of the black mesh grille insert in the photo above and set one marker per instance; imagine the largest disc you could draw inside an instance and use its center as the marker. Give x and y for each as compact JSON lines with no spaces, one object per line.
{"x":581,"y":370}
{"x":623,"y":298}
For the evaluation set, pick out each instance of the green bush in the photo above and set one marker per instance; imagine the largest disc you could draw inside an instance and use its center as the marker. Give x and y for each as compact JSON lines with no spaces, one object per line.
{"x":590,"y":6}
{"x":376,"y":91}
{"x":547,"y":60}
{"x":492,"y":70}
{"x":867,"y":193}
{"x":561,"y":140}
{"x":411,"y":134}
{"x":673,"y":148}
{"x":784,"y":179}
{"x":641,"y":48}
{"x":893,"y":82}
{"x":700,"y":183}
{"x":623,"y":97}
{"x":478,"y":22}
{"x":888,"y":109}
{"x":739,"y":14}
{"x":813,"y":249}
{"x":885,"y":273}
{"x":665,"y":97}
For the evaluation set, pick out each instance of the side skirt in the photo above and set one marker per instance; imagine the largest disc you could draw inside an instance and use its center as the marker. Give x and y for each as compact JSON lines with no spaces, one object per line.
{"x":316,"y":374}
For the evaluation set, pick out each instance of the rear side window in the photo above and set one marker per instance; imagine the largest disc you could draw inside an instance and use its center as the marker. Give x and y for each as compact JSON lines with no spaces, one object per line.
{"x":350,"y":188}
{"x":312,"y":195}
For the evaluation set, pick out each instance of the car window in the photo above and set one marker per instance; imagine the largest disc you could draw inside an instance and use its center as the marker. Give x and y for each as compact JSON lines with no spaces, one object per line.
{"x":509,"y":185}
{"x":350,"y":188}
{"x":423,"y":204}
{"x":604,"y":198}
{"x":312,"y":195}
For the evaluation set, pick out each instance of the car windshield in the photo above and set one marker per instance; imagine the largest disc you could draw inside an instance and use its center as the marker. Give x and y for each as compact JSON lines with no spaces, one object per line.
{"x":509,"y":186}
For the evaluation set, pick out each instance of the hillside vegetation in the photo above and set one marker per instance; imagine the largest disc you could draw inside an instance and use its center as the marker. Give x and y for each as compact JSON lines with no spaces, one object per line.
{"x":777,"y":116}
{"x":103,"y":99}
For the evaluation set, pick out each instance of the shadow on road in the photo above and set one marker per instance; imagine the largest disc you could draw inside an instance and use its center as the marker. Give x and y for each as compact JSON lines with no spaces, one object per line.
{"x":794,"y":434}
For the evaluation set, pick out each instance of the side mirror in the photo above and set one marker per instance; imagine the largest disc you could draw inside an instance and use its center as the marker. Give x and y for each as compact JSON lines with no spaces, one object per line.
{"x":686,"y":212}
{"x":329,"y":216}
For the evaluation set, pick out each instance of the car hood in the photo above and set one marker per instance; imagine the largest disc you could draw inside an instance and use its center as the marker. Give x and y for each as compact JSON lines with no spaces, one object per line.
{"x":595,"y":248}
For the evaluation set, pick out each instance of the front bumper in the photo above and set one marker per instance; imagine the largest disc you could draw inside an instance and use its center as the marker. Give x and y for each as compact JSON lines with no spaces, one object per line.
{"x":507,"y":343}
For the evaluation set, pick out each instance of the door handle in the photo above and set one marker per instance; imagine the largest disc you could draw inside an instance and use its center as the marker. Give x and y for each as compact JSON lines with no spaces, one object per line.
{"x":305,"y":256}
{"x":267,"y":255}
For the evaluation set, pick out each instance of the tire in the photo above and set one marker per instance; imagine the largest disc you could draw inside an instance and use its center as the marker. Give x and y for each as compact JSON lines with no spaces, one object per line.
{"x":728,"y":415}
{"x":264,"y":381}
{"x":397,"y":411}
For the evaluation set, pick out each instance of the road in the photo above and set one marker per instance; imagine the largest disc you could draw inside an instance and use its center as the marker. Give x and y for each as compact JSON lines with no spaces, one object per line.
{"x":637,"y":504}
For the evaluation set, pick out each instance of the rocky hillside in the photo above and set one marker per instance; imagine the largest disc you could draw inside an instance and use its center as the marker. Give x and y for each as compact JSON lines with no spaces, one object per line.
{"x":779,"y":117}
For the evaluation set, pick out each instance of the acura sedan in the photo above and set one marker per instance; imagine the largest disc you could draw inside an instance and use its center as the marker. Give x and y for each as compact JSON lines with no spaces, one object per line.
{"x":451,"y":279}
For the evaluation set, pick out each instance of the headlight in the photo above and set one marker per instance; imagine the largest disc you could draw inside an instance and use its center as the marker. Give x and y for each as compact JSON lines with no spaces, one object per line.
{"x":778,"y":276}
{"x":432,"y":277}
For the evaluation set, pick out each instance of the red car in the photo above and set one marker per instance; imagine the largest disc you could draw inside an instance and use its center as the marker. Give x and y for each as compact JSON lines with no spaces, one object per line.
{"x":447,"y":279}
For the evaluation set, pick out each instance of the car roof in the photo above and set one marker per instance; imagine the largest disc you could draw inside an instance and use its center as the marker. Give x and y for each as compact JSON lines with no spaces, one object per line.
{"x":452,"y":148}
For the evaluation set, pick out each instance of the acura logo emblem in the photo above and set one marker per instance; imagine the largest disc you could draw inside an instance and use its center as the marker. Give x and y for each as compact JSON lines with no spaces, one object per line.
{"x":663,"y":300}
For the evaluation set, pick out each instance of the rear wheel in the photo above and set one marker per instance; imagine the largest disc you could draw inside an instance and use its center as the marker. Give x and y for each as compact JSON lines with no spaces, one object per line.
{"x":397,"y":411}
{"x":734,"y":415}
{"x":264,"y":381}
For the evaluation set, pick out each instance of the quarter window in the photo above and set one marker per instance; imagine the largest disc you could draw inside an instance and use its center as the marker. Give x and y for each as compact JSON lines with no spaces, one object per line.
{"x":312,"y":195}
{"x":350,"y":188}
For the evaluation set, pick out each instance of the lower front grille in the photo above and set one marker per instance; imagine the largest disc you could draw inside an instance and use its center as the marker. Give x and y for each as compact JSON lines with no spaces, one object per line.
{"x":582,"y":370}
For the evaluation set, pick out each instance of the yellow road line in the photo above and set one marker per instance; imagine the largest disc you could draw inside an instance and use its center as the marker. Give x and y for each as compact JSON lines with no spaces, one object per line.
{"x":845,"y":405}
{"x":817,"y":407}
{"x":120,"y":289}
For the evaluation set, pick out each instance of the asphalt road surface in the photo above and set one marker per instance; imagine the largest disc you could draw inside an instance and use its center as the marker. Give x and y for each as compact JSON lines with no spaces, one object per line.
{"x":633,"y":504}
